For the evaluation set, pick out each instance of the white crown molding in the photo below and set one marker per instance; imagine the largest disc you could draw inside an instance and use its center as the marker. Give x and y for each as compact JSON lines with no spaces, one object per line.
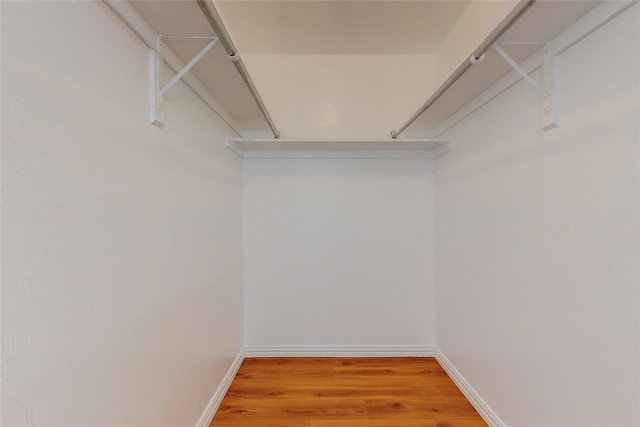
{"x":470,"y":393}
{"x":216,"y":399}
{"x":247,"y":148}
{"x":340,"y":351}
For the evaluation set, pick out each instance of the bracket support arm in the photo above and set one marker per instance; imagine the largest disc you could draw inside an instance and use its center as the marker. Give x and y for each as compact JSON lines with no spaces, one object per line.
{"x":157,"y":92}
{"x":549,"y":87}
{"x":520,"y":71}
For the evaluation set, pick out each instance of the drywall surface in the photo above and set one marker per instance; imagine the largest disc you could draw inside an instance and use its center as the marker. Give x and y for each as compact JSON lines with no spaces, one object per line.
{"x":338,"y":252}
{"x":538,"y":243}
{"x":121,"y":242}
{"x":321,"y":96}
{"x":475,"y":24}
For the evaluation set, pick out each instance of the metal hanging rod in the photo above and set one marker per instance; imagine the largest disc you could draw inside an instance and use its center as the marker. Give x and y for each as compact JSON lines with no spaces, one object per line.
{"x":491,"y":39}
{"x":210,"y":12}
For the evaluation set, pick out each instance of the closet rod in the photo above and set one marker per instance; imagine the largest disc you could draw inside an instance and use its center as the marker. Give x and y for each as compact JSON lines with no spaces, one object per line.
{"x":210,"y":12}
{"x":493,"y":37}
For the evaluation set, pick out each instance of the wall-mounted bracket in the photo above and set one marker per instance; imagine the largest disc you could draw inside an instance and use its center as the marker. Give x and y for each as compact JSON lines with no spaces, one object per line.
{"x":157,"y":75}
{"x":549,"y":87}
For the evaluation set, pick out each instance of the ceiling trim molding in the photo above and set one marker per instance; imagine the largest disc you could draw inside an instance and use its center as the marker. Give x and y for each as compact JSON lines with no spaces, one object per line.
{"x":338,"y":149}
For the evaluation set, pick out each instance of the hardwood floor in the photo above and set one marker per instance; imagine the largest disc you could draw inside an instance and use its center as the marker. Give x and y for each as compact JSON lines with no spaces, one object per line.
{"x":344,"y":392}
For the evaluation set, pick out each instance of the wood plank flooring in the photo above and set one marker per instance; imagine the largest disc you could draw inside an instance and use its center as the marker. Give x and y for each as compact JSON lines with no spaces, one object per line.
{"x":344,"y":392}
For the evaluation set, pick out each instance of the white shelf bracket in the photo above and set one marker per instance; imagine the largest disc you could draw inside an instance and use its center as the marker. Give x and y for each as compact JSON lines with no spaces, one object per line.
{"x":549,"y":87}
{"x":157,"y":75}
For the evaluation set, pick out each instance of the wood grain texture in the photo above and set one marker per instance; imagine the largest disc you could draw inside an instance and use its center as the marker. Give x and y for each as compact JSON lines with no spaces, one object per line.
{"x":344,"y":392}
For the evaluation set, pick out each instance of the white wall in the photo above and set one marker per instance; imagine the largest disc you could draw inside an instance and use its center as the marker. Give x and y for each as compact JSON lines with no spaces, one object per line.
{"x":121,"y":242}
{"x":476,"y":23}
{"x":341,"y":96}
{"x":538,"y":245}
{"x":339,"y":252}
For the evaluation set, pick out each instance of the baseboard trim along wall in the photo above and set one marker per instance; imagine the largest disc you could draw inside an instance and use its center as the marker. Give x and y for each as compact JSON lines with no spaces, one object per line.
{"x":351,"y":351}
{"x":340,"y":351}
{"x":470,"y":393}
{"x":215,"y":401}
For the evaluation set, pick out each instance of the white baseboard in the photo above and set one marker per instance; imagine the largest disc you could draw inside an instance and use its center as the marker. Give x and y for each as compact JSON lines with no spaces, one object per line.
{"x":481,"y":406}
{"x":351,"y":351}
{"x":215,"y":401}
{"x":340,"y":351}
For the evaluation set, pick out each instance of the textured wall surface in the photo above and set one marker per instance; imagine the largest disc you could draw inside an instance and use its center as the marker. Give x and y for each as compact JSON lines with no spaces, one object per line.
{"x":538,"y":244}
{"x":342,"y":96}
{"x":121,"y":242}
{"x":339,"y":252}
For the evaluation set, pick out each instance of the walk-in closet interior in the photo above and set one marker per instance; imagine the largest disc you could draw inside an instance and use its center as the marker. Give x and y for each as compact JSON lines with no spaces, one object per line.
{"x":186,"y":184}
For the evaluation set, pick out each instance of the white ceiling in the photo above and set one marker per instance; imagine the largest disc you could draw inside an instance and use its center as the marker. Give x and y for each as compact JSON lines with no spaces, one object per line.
{"x":267,"y":31}
{"x":340,"y":27}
